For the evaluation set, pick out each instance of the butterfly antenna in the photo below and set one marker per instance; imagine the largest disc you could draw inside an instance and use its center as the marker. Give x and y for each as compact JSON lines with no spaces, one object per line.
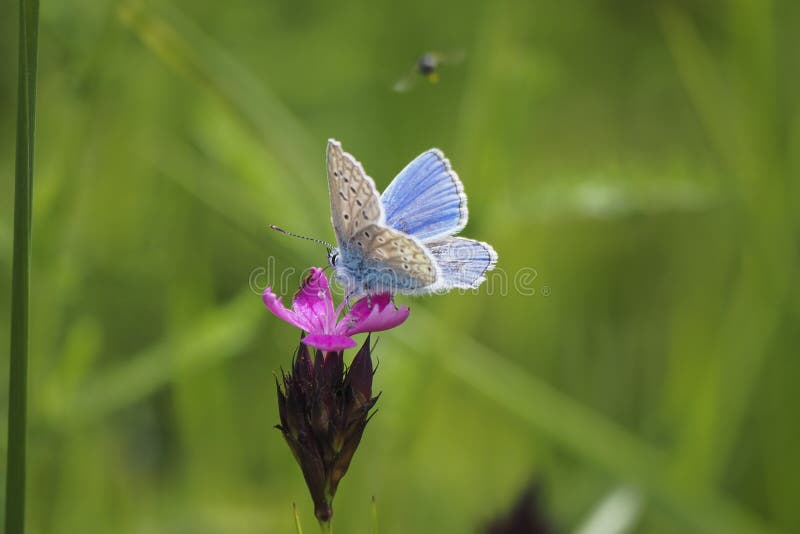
{"x":315,"y":240}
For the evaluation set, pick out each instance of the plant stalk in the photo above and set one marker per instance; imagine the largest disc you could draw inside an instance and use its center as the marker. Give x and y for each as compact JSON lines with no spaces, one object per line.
{"x":23,"y":202}
{"x":374,"y":516}
{"x":297,"y":525}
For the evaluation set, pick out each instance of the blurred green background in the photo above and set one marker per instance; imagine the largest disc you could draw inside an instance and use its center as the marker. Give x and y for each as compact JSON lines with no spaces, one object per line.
{"x":639,"y":158}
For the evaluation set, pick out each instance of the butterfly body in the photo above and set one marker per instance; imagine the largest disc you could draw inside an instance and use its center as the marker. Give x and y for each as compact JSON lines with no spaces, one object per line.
{"x":402,"y":241}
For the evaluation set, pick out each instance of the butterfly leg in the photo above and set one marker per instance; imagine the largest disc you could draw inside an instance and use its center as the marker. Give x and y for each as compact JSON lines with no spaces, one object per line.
{"x":347,"y":307}
{"x":349,"y":295}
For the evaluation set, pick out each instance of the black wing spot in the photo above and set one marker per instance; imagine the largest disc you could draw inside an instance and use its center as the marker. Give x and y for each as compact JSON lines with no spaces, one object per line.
{"x":360,"y":244}
{"x":342,"y":195}
{"x":405,"y":266}
{"x":358,"y":201}
{"x":353,"y":189}
{"x":346,"y":217}
{"x":366,"y":234}
{"x":381,"y":239}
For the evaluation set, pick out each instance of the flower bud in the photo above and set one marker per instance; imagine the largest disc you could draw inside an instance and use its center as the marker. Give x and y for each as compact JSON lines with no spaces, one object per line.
{"x":323,"y":412}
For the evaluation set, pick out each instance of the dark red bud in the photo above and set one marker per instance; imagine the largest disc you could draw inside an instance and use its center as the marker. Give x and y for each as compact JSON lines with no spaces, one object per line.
{"x":323,"y":412}
{"x":359,"y":375}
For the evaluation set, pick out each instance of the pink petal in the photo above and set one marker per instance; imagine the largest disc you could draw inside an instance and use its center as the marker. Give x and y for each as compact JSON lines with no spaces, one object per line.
{"x":372,"y":314}
{"x":314,"y":304}
{"x":329,"y":342}
{"x":362,"y":308}
{"x":275,"y":305}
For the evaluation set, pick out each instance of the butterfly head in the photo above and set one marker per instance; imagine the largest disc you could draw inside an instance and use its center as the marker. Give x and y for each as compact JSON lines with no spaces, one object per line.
{"x":333,"y":257}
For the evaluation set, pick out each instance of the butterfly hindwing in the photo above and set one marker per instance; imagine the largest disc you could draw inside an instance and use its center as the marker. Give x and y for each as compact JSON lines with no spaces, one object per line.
{"x":426,"y":199}
{"x":354,"y":200}
{"x":462,"y":262}
{"x":381,"y":259}
{"x":401,"y":253}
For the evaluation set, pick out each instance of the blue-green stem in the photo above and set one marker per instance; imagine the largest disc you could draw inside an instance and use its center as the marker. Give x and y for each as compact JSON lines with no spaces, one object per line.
{"x":23,"y":194}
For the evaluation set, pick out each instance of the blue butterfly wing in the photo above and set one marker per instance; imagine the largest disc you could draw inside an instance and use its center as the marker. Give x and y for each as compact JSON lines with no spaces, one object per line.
{"x":426,"y":199}
{"x":462,"y":262}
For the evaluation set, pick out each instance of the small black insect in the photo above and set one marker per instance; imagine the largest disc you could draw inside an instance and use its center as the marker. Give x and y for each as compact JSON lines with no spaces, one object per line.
{"x":427,"y":64}
{"x":427,"y":67}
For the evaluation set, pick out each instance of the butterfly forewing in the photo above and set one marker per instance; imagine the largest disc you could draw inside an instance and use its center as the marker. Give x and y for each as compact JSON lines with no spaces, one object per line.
{"x":354,"y":200}
{"x":426,"y":199}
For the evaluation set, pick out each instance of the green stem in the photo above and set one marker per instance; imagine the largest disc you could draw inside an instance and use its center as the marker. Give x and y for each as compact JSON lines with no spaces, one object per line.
{"x":374,"y":516}
{"x":326,"y":527}
{"x":297,"y":525}
{"x":23,"y":193}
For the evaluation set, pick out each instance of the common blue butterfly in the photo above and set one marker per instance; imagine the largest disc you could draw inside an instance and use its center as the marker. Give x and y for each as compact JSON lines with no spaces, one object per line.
{"x":402,"y":241}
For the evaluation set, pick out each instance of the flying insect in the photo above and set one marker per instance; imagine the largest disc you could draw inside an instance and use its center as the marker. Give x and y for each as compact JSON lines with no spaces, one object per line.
{"x":427,"y":67}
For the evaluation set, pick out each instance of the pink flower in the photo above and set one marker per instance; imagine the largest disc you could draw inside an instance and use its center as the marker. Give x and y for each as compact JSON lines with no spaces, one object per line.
{"x":313,"y":311}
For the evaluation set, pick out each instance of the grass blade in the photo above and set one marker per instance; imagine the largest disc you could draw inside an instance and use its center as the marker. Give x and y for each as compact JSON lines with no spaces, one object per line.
{"x":615,"y":514}
{"x":23,"y":192}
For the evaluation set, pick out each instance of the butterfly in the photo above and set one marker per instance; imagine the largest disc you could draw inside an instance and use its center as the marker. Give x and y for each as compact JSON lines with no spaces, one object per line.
{"x":403,"y":240}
